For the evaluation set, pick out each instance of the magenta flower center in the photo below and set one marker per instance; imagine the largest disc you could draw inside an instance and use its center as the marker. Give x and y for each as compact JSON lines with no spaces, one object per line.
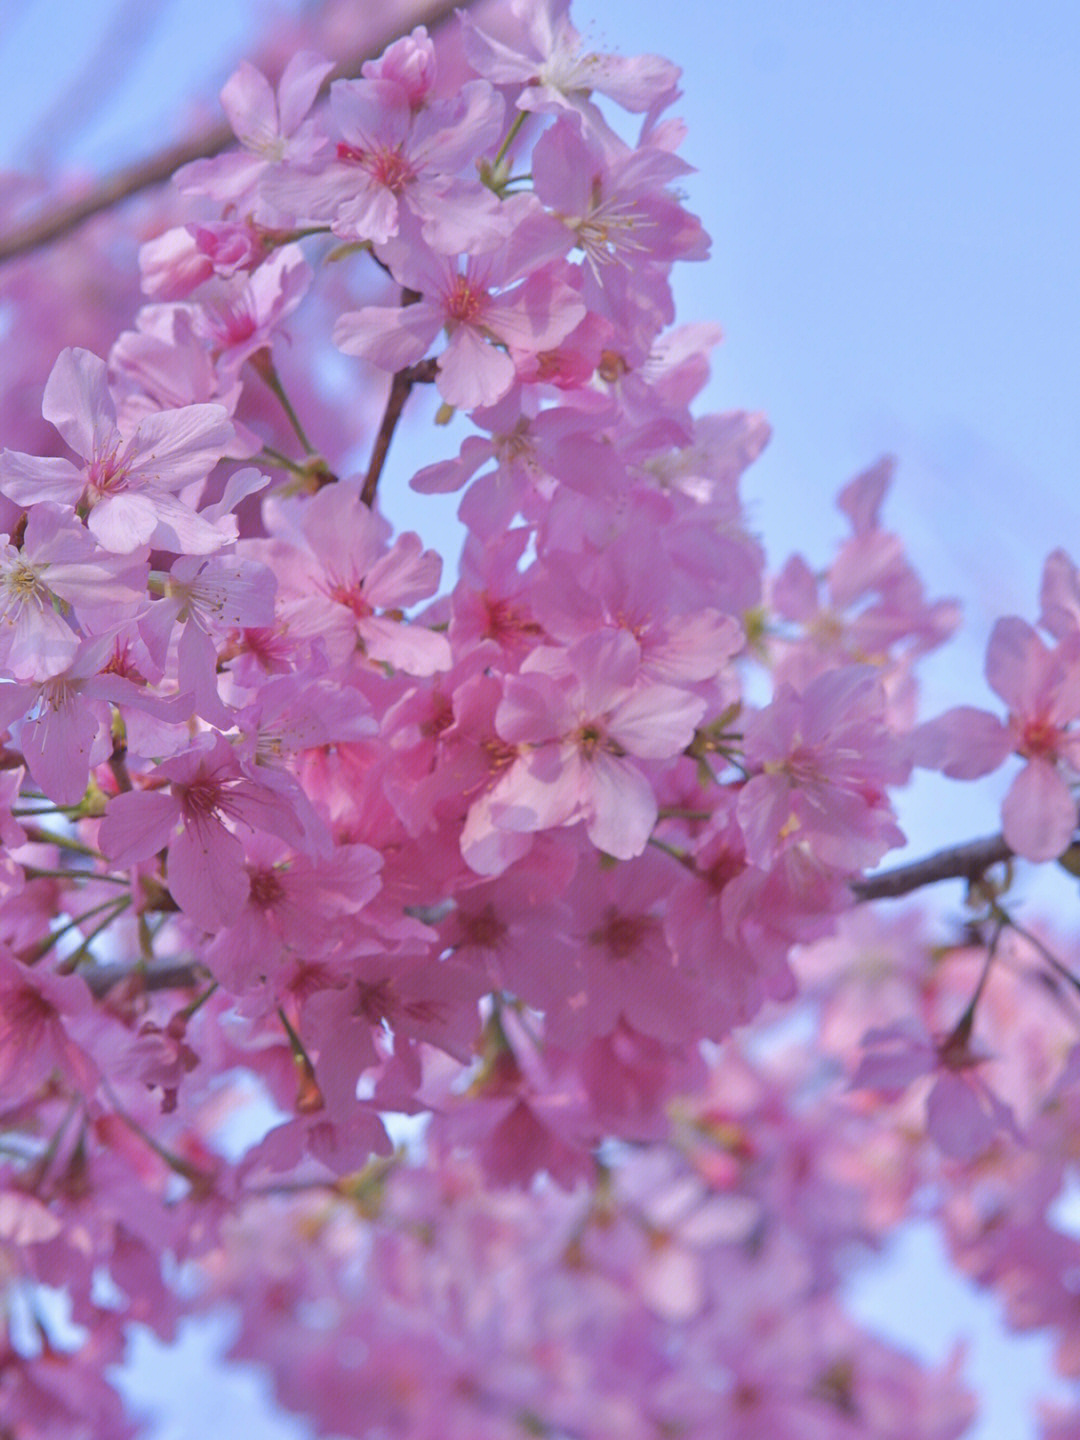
{"x":482,"y":928}
{"x":1039,"y":738}
{"x":231,"y":321}
{"x":591,"y":738}
{"x":266,"y":889}
{"x":353,"y":598}
{"x":202,"y":799}
{"x":385,"y":164}
{"x":622,"y":935}
{"x":105,"y":475}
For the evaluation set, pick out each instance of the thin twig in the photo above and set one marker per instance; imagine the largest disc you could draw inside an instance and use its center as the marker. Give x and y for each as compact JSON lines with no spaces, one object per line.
{"x":174,"y":975}
{"x":133,"y":179}
{"x":969,"y":862}
{"x":400,"y":389}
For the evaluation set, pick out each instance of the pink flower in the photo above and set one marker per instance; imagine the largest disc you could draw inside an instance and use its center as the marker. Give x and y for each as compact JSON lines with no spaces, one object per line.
{"x":616,"y":203}
{"x":205,"y":871}
{"x":37,"y":1008}
{"x":124,"y":485}
{"x":240,"y":314}
{"x":575,"y":716}
{"x":57,"y":581}
{"x":201,"y":595}
{"x":822,"y":760}
{"x":334,"y":586}
{"x":63,"y":721}
{"x":543,"y":53}
{"x":503,"y":299}
{"x":295,"y":903}
{"x":269,"y":124}
{"x":395,"y":160}
{"x":1042,"y":690}
{"x":964,"y":1116}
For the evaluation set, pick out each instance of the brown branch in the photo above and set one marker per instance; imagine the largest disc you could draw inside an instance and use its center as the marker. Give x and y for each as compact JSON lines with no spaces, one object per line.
{"x":171,"y":975}
{"x":968,"y":862}
{"x":155,"y":169}
{"x":401,"y":386}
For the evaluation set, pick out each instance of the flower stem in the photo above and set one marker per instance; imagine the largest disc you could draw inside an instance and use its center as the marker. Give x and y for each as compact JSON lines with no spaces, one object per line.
{"x":263,"y":364}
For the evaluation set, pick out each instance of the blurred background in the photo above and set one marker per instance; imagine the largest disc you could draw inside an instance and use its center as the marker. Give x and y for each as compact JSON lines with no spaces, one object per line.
{"x":893,"y":194}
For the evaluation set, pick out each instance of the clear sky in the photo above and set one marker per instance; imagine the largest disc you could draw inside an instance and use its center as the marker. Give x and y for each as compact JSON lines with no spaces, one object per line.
{"x":893,"y":193}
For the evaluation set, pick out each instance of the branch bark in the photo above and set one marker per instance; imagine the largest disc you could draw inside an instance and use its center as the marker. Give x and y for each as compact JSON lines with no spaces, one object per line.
{"x":170,"y":975}
{"x":969,"y":861}
{"x":401,"y":386}
{"x":144,"y":174}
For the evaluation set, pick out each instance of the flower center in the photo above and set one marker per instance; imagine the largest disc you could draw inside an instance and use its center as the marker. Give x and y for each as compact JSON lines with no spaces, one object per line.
{"x":464,"y":304}
{"x":266,"y":889}
{"x":1039,"y":739}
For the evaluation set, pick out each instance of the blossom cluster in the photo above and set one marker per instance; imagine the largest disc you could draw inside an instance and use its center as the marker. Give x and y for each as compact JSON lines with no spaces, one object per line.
{"x":508,"y":851}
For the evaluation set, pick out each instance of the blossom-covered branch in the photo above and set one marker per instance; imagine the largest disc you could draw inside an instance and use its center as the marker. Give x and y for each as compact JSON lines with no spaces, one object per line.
{"x":60,"y":219}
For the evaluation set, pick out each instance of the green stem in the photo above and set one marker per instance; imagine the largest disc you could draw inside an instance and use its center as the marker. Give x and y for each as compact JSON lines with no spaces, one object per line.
{"x":511,"y":136}
{"x":40,"y":836}
{"x":35,"y":872}
{"x":263,"y":365}
{"x":269,"y":456}
{"x":116,"y":904}
{"x":676,"y":854}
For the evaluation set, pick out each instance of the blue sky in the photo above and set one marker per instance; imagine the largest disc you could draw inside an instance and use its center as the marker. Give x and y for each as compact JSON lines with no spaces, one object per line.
{"x":893,"y":193}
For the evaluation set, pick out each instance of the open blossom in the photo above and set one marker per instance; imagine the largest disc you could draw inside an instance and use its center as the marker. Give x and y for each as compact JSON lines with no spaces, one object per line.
{"x":238,"y":315}
{"x":1041,"y":687}
{"x":821,"y":761}
{"x":543,"y":53}
{"x":63,"y":721}
{"x":964,"y":1116}
{"x":396,"y":159}
{"x":575,"y":716}
{"x":504,"y":299}
{"x":616,"y":203}
{"x":201,"y":594}
{"x":124,"y":485}
{"x":270,"y":125}
{"x":338,"y":579}
{"x":57,"y":581}
{"x":208,"y":788}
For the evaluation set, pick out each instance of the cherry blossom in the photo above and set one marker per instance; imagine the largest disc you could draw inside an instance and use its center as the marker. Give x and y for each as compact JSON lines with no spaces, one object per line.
{"x":554,"y":863}
{"x":124,"y":486}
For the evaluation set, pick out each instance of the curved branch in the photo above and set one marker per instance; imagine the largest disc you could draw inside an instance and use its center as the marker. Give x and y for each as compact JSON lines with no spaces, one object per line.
{"x":969,"y":862}
{"x":401,"y":387}
{"x":133,"y":179}
{"x":169,"y":975}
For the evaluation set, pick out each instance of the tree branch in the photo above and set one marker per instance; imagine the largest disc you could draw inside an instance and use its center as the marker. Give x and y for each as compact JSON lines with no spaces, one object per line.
{"x":171,"y":975}
{"x":401,"y":386}
{"x":142,"y":175}
{"x":969,"y":862}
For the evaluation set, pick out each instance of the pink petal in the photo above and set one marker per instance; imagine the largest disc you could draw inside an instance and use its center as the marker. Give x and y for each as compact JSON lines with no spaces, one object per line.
{"x":472,"y":372}
{"x":656,"y":722}
{"x":963,"y":744}
{"x":174,"y":447}
{"x":624,"y":808}
{"x":298,"y":87}
{"x":957,"y":1121}
{"x":250,"y":106}
{"x":1039,"y":814}
{"x":206,"y":874}
{"x":388,"y":335}
{"x":137,"y":825}
{"x":78,"y":402}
